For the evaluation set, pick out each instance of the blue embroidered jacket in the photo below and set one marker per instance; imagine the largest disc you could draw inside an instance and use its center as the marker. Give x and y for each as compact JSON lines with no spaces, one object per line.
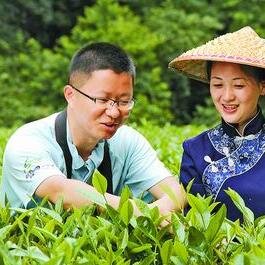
{"x":220,"y":158}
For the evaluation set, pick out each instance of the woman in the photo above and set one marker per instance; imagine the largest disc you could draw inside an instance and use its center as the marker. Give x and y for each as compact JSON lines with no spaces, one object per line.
{"x":231,"y":155}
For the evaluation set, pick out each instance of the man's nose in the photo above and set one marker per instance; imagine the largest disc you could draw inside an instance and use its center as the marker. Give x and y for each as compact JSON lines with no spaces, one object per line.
{"x":113,"y":110}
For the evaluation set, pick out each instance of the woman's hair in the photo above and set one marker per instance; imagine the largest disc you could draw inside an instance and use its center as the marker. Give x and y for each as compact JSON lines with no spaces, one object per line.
{"x":257,"y":73}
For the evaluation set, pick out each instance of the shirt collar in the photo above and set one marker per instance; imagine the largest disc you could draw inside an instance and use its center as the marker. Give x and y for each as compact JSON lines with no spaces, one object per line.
{"x":96,"y":155}
{"x":252,"y":127}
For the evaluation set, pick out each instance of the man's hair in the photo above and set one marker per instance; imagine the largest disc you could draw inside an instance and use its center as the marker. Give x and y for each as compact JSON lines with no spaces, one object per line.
{"x":101,"y":56}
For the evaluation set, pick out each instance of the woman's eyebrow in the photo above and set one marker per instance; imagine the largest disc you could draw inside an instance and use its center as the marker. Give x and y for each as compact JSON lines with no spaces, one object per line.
{"x":216,"y":77}
{"x":237,"y":78}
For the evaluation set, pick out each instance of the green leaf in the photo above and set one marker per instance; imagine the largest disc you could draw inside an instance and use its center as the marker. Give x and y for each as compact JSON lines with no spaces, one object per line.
{"x":188,"y":188}
{"x":178,"y":228}
{"x":18,"y":252}
{"x":126,"y":212}
{"x":59,"y":205}
{"x":31,"y":252}
{"x":199,"y":213}
{"x":123,"y":239}
{"x":4,"y":231}
{"x":195,"y":237}
{"x":94,"y":197}
{"x":147,"y":227}
{"x":176,"y":260}
{"x":238,"y":259}
{"x":215,"y":224}
{"x":166,"y":251}
{"x":150,"y":259}
{"x":248,"y":215}
{"x":141,"y":248}
{"x":143,"y":207}
{"x":115,"y":216}
{"x":100,"y":183}
{"x":6,"y":255}
{"x":38,"y":231}
{"x":52,"y":214}
{"x":125,"y":195}
{"x":197,"y":203}
{"x":37,"y":254}
{"x":181,"y":252}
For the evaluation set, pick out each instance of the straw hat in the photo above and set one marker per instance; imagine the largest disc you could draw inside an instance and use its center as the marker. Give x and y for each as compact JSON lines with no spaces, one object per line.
{"x":243,"y":47}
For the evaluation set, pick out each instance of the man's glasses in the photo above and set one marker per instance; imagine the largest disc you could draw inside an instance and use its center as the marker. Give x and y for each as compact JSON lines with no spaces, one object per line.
{"x":123,"y":105}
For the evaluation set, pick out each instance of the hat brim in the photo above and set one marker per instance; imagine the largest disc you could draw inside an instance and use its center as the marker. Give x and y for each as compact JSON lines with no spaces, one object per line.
{"x":195,"y":66}
{"x":241,"y":47}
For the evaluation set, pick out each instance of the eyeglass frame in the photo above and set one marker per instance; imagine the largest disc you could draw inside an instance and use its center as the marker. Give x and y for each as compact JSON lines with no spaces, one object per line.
{"x":109,"y":101}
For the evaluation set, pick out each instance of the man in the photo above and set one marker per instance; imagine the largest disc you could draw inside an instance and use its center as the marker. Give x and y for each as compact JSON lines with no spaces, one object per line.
{"x":99,"y":94}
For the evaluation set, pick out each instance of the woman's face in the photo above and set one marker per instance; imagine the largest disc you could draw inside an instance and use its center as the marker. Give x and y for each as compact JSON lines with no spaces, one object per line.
{"x":235,"y":94}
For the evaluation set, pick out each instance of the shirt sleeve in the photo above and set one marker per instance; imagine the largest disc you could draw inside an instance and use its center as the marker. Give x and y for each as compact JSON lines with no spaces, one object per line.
{"x":142,"y":167}
{"x":188,"y":171}
{"x":27,"y":163}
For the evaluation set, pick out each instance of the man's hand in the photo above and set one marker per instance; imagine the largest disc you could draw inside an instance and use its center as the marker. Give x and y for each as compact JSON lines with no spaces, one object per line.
{"x":170,"y":196}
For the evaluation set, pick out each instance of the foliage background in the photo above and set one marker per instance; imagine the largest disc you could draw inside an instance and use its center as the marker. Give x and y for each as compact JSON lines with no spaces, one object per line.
{"x":38,"y":38}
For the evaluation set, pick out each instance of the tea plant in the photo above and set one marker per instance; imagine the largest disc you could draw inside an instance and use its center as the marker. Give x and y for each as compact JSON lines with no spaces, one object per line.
{"x":4,"y":135}
{"x":50,"y":235}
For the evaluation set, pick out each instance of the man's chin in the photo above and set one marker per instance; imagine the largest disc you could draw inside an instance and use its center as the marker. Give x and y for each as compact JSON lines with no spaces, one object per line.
{"x":109,"y":135}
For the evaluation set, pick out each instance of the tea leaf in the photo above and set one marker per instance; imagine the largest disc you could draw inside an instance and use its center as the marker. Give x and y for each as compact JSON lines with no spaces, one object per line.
{"x":195,"y":237}
{"x":215,"y":224}
{"x":94,"y":197}
{"x":166,"y":251}
{"x":180,"y":251}
{"x":147,"y":227}
{"x":126,"y":212}
{"x":115,"y":217}
{"x":125,"y":195}
{"x":123,"y":239}
{"x":148,"y":260}
{"x":6,"y":255}
{"x":143,"y":207}
{"x":52,"y":214}
{"x":178,"y":228}
{"x":141,"y":248}
{"x":248,"y":215}
{"x":59,"y":205}
{"x":100,"y":183}
{"x":4,"y":231}
{"x":199,"y":212}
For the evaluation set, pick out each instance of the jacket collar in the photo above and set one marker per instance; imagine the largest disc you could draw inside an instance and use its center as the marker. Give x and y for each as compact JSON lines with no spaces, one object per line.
{"x":252,"y":127}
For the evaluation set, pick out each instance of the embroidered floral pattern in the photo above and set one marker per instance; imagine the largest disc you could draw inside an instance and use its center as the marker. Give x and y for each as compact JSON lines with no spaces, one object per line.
{"x":220,"y":140}
{"x":240,"y":155}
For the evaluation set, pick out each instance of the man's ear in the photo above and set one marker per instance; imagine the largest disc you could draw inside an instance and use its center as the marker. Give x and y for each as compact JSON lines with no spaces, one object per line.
{"x":68,"y":93}
{"x":262,"y":86}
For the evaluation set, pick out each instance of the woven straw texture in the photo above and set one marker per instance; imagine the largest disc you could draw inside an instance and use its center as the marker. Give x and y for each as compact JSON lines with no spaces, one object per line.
{"x":243,"y":47}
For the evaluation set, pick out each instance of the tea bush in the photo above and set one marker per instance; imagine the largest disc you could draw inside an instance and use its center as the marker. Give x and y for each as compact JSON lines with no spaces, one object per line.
{"x":50,"y":235}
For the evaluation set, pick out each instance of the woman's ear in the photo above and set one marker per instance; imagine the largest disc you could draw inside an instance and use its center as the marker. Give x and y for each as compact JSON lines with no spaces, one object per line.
{"x":262,"y":86}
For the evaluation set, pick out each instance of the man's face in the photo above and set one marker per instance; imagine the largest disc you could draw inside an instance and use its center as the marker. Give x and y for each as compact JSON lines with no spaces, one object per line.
{"x":93,"y":120}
